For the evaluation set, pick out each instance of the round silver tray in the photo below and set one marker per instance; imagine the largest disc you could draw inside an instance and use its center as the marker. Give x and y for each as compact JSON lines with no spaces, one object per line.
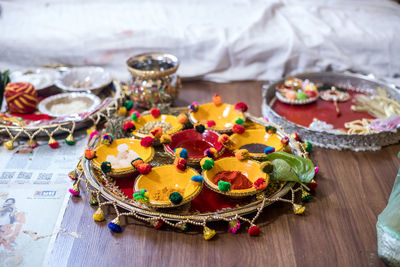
{"x":112,"y":91}
{"x":330,"y":139}
{"x":122,"y":201}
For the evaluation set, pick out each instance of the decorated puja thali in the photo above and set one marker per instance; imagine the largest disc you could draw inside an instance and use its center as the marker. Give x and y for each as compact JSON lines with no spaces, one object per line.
{"x":223,"y":181}
{"x":351,"y":111}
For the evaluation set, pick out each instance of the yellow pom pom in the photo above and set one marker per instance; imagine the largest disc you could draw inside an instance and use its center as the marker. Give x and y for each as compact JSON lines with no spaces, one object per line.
{"x":208,"y":233}
{"x":165,"y":139}
{"x":298,"y":209}
{"x":122,"y":111}
{"x":9,"y":144}
{"x":91,"y":130}
{"x":98,"y":216}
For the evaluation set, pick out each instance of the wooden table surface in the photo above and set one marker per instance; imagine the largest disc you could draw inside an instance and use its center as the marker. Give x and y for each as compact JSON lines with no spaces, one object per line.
{"x":337,"y":229}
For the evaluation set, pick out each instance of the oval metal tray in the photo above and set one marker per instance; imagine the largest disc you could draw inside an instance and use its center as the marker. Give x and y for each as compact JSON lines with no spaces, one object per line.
{"x":326,"y":139}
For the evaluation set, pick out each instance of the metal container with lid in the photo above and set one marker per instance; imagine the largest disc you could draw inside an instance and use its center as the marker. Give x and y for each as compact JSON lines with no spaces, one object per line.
{"x":154,"y":80}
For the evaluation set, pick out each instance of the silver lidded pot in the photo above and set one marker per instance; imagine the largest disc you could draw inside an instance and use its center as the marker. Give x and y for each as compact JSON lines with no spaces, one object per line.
{"x":154,"y":80}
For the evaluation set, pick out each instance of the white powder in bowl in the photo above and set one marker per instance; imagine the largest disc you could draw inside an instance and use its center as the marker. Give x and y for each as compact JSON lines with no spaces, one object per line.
{"x":76,"y":106}
{"x":124,"y":157}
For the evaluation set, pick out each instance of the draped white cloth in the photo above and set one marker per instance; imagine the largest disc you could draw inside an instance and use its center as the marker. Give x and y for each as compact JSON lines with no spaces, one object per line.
{"x":223,"y":40}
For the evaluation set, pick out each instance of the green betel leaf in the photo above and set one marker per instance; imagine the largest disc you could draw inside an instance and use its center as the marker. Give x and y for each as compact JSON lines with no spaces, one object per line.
{"x":283,"y":172}
{"x":303,"y":167}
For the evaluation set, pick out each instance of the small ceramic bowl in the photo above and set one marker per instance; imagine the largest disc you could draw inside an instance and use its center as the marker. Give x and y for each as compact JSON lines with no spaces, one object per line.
{"x":143,"y":123}
{"x":102,"y":151}
{"x":89,"y":103}
{"x":223,"y":115}
{"x":255,"y":141}
{"x":168,"y":178}
{"x":195,"y":143}
{"x":84,"y":79}
{"x":40,"y":78}
{"x":249,"y":168}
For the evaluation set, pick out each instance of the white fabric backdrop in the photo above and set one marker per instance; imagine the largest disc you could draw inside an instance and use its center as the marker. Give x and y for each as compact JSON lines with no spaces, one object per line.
{"x":221,"y":40}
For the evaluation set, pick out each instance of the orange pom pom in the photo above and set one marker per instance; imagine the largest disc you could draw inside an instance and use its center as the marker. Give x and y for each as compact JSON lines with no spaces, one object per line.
{"x":144,"y":168}
{"x":217,"y":100}
{"x":21,"y":97}
{"x":157,"y":132}
{"x":182,"y":119}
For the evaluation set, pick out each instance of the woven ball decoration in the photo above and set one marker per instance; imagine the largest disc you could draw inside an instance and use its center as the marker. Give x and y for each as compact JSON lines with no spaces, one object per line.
{"x":21,"y":97}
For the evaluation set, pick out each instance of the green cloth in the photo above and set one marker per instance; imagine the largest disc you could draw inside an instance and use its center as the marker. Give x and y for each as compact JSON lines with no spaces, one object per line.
{"x":388,"y":227}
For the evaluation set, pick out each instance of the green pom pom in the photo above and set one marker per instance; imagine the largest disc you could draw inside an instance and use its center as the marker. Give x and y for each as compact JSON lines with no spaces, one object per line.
{"x":106,"y":166}
{"x":240,"y":121}
{"x":207,"y":163}
{"x":308,"y":147}
{"x":224,"y":186}
{"x":128,"y":104}
{"x":175,"y":198}
{"x":200,"y":128}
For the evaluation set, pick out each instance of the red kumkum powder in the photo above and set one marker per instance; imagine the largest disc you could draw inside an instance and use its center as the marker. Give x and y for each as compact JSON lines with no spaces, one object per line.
{"x":236,"y":178}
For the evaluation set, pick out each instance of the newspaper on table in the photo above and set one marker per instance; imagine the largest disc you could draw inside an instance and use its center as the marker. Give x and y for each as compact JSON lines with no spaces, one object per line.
{"x":33,"y":197}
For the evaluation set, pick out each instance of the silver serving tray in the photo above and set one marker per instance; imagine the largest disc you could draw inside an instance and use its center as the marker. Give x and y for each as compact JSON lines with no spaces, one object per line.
{"x":327,"y":139}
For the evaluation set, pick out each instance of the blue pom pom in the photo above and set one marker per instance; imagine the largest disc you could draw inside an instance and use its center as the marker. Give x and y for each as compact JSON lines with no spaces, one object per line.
{"x":197,"y":178}
{"x":269,"y":150}
{"x":183,"y":153}
{"x":114,"y":227}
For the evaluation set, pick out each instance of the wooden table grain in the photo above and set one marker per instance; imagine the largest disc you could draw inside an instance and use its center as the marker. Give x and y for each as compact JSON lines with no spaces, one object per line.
{"x":337,"y":229}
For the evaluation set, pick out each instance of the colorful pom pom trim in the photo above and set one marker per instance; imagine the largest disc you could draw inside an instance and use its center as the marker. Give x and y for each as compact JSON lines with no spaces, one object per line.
{"x":194,"y":107}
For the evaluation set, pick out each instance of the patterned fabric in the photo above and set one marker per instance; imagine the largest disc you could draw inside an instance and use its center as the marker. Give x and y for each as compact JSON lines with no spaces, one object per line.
{"x":21,"y":97}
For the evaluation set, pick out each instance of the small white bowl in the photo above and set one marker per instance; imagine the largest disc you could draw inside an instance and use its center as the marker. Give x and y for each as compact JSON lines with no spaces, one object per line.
{"x":74,"y":79}
{"x":40,"y":78}
{"x":92,"y":101}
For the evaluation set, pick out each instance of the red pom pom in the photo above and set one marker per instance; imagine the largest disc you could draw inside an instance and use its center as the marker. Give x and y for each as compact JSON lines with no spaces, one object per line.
{"x":312,"y":185}
{"x":239,"y":129}
{"x":147,"y":141}
{"x":159,"y":224}
{"x":144,"y":168}
{"x":155,"y":112}
{"x":129,"y":126}
{"x":260,"y":184}
{"x":53,"y":143}
{"x":181,"y":164}
{"x":241,"y":106}
{"x":211,"y":123}
{"x":254,"y":230}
